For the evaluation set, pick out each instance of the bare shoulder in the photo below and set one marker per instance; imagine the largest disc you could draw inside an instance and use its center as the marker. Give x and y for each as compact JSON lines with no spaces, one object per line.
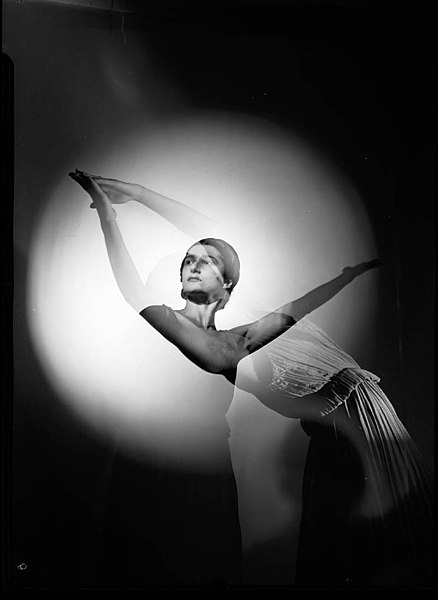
{"x":214,"y":351}
{"x":156,"y":311}
{"x":161,"y":317}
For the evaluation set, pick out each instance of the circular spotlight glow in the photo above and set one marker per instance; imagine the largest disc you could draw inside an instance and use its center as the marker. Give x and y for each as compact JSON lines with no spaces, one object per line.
{"x":293,"y":219}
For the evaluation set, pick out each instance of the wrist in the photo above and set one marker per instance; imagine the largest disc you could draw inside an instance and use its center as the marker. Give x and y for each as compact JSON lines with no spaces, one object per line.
{"x":139,"y":195}
{"x":348,"y":275}
{"x":106,"y":220}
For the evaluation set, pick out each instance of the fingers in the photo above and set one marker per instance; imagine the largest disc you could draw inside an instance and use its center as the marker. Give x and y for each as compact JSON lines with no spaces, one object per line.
{"x":79,"y":178}
{"x":87,"y":183}
{"x":85,"y":174}
{"x":90,"y":175}
{"x":361,"y":268}
{"x":93,"y":176}
{"x":372,"y":264}
{"x":115,"y":183}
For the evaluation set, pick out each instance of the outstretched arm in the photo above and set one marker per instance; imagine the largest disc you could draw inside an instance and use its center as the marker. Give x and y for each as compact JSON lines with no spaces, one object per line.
{"x":269,"y":327}
{"x":297,"y":309}
{"x":125,"y":272}
{"x":188,"y":220}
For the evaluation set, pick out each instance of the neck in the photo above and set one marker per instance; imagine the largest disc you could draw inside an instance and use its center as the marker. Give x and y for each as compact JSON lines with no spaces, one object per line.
{"x":202,"y":314}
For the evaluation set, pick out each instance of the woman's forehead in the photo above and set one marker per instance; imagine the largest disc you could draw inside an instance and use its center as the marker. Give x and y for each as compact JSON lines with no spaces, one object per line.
{"x":203,"y":250}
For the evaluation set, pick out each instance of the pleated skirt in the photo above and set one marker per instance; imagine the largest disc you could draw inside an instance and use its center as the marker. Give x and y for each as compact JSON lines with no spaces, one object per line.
{"x":367,"y":512}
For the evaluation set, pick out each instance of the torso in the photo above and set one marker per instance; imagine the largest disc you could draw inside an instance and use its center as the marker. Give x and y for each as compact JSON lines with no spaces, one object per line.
{"x":222,"y":349}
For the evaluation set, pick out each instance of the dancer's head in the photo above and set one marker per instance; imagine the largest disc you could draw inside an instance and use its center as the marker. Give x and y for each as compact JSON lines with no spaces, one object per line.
{"x":209,"y":272}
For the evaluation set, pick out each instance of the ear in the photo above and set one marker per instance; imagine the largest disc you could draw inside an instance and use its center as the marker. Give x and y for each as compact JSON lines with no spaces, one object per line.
{"x":227,"y":285}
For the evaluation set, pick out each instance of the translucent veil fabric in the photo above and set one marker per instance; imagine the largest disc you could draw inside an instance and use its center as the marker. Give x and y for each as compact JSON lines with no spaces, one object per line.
{"x":305,"y":359}
{"x":367,"y":494}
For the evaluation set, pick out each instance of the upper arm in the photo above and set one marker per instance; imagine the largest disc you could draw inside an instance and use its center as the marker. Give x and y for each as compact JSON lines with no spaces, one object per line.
{"x":193,"y":344}
{"x":163,"y":320}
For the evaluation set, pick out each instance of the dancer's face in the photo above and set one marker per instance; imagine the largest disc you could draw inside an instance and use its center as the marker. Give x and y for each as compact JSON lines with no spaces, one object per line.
{"x":202,"y":272}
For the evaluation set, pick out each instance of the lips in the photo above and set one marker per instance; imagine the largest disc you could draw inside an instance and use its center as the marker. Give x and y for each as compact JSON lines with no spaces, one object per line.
{"x":194,"y":279}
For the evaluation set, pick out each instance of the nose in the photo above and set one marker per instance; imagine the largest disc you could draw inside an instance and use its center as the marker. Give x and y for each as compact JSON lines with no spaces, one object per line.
{"x":195,"y":267}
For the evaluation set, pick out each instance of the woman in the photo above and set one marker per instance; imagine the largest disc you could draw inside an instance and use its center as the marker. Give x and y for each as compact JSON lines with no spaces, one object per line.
{"x":209,"y":273}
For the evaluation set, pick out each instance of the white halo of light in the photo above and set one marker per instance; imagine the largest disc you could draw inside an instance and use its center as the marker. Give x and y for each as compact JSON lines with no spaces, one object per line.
{"x":294,"y":220}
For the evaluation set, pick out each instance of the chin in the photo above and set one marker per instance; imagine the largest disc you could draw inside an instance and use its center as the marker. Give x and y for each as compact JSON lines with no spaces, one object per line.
{"x":199,"y":297}
{"x":192,"y":288}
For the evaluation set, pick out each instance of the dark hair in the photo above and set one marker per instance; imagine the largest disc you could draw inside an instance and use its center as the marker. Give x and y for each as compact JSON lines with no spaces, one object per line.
{"x":230,"y":259}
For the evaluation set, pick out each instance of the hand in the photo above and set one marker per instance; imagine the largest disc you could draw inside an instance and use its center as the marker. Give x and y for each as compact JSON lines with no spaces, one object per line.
{"x":118,"y":192}
{"x":353,"y":272}
{"x":101,"y":202}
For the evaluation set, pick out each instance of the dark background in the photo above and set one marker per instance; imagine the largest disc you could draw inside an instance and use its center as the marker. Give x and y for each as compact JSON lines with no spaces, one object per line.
{"x":356,"y":78}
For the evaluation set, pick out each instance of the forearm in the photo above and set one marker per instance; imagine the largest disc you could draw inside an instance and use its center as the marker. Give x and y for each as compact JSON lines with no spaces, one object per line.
{"x":124,"y":270}
{"x":297,"y":309}
{"x":187,"y":219}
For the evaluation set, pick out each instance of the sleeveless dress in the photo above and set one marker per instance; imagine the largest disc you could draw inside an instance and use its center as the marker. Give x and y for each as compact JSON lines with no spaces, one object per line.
{"x":367,"y":515}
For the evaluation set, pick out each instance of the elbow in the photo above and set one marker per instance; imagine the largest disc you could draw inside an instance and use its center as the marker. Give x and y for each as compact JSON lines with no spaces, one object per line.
{"x":284,"y":320}
{"x":136,"y":302}
{"x":136,"y":306}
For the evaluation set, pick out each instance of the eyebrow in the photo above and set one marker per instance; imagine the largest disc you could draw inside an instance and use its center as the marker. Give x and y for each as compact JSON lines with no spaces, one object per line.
{"x":201,"y":256}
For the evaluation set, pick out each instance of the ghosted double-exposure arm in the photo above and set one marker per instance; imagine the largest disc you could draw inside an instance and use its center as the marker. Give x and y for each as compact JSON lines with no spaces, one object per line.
{"x":264,"y":330}
{"x":124,"y":270}
{"x":185,"y":218}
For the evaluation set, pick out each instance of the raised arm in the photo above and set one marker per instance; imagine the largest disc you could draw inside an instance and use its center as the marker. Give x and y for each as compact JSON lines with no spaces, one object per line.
{"x":125,"y":272}
{"x":187,"y":219}
{"x":264,"y":330}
